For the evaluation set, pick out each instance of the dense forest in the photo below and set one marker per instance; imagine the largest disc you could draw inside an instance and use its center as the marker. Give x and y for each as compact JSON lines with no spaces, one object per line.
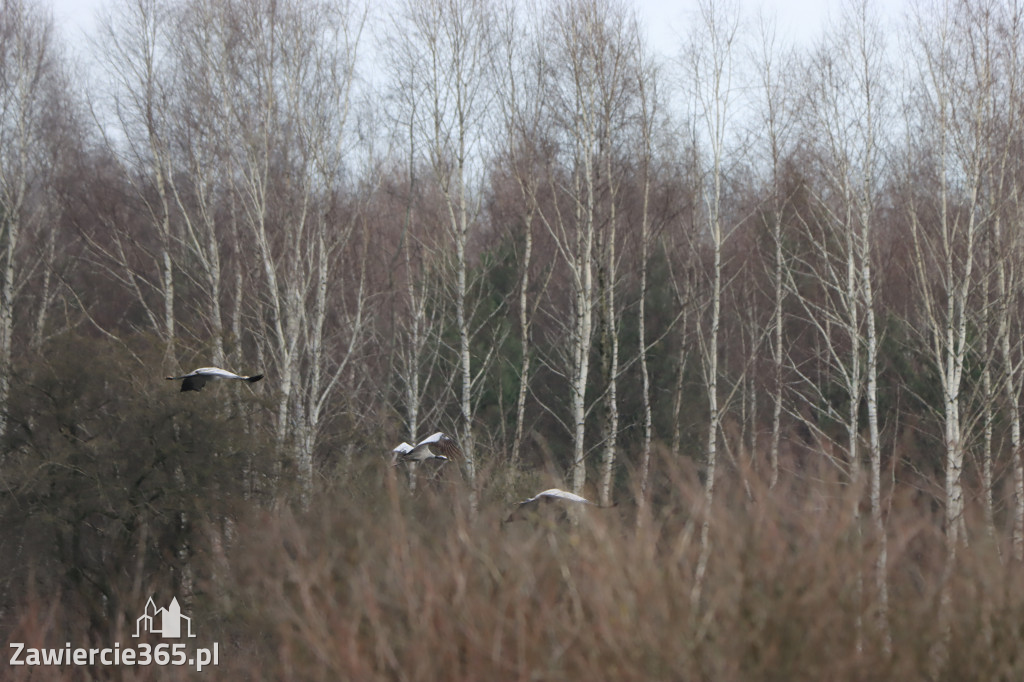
{"x":761,"y":302}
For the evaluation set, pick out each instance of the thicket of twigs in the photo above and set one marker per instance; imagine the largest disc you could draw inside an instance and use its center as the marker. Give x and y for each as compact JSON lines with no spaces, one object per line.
{"x":376,"y":583}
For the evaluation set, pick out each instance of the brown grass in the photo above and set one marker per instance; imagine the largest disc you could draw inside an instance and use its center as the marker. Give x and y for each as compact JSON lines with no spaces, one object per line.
{"x":373,"y":583}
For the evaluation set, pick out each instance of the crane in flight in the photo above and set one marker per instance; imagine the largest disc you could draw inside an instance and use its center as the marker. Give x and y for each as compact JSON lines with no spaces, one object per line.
{"x":548,"y":499}
{"x":425,"y":449}
{"x":197,"y":378}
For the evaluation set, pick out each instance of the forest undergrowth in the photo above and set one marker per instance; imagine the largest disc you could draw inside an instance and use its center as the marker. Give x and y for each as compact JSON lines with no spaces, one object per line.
{"x":373,"y":582}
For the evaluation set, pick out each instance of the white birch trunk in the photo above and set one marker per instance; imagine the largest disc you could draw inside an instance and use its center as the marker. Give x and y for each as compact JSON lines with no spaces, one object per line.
{"x":9,"y":229}
{"x":47,"y":294}
{"x":874,"y":442}
{"x":648,"y":103}
{"x":582,"y":331}
{"x":524,"y":340}
{"x":523,"y":105}
{"x":461,"y":226}
{"x":448,"y":53}
{"x":611,"y":346}
{"x":773,"y":121}
{"x":1010,"y":353}
{"x":777,"y":354}
{"x":25,"y":71}
{"x":711,"y":54}
{"x":677,"y":392}
{"x":413,"y":353}
{"x":988,"y":395}
{"x":954,"y":112}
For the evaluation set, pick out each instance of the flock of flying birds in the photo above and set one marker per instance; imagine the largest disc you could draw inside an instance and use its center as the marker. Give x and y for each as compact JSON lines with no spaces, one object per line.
{"x":445,"y":447}
{"x":447,"y":450}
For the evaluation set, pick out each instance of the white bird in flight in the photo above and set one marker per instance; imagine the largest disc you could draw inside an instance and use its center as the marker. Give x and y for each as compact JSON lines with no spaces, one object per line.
{"x":197,"y":378}
{"x":544,"y":500}
{"x":422,"y":451}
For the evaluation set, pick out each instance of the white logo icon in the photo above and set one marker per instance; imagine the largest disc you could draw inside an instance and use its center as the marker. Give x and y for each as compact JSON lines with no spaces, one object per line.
{"x":164,"y":622}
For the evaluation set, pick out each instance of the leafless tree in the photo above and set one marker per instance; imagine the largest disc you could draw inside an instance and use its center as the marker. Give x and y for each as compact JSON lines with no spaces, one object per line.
{"x":412,"y":267}
{"x":1010,"y":257}
{"x":952,"y":102}
{"x":1004,"y":252}
{"x":589,"y":87}
{"x":709,"y":63}
{"x":776,"y":121}
{"x":418,"y":315}
{"x":199,"y":138}
{"x":290,"y":72}
{"x":132,"y":44}
{"x":31,"y":93}
{"x":847,"y":79}
{"x":523,"y":110}
{"x":445,"y":47}
{"x":648,"y":98}
{"x":618,"y":119}
{"x":954,"y":96}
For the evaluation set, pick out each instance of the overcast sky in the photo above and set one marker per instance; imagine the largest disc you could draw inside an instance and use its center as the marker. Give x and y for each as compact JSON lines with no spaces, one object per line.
{"x":663,"y":17}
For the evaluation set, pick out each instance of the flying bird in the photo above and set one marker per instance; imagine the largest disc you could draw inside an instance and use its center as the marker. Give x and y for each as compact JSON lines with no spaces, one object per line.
{"x":197,"y":378}
{"x":545,"y":500}
{"x":424,"y":450}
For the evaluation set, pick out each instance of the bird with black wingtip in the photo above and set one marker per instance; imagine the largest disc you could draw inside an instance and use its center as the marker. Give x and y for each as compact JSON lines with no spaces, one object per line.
{"x":197,"y":378}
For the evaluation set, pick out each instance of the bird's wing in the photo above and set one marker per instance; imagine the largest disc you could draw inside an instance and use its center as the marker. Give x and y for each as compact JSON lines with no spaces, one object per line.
{"x":418,"y":450}
{"x":193,"y":382}
{"x":402,"y":448}
{"x":448,"y":448}
{"x":435,"y":438}
{"x":563,"y":495}
{"x":441,"y":445}
{"x":216,"y":372}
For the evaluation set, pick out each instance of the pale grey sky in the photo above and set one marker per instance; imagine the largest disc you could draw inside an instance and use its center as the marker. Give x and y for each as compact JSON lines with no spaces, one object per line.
{"x":803,"y":17}
{"x":799,"y":20}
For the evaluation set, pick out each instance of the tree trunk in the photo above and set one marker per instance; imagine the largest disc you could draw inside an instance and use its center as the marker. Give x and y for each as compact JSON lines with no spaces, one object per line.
{"x":648,"y":104}
{"x":610,"y":351}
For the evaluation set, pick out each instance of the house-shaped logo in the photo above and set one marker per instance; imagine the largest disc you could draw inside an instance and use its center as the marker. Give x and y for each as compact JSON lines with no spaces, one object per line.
{"x":164,"y":622}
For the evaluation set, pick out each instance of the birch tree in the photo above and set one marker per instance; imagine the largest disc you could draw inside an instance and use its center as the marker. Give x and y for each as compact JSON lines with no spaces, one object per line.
{"x":709,"y":69}
{"x":200,"y":135}
{"x":776,"y":121}
{"x":1004,"y":249}
{"x":418,"y":329}
{"x":292,"y":69}
{"x":995,"y":61}
{"x":648,"y":99}
{"x":848,"y":117}
{"x":132,"y":45}
{"x":417,"y":320}
{"x":1008,"y":273}
{"x":946,"y":227}
{"x":445,"y":46}
{"x":576,"y":240}
{"x":617,"y":122}
{"x":953,"y":89}
{"x":524,"y":111}
{"x":574,"y":92}
{"x":587,"y":91}
{"x":30,"y":73}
